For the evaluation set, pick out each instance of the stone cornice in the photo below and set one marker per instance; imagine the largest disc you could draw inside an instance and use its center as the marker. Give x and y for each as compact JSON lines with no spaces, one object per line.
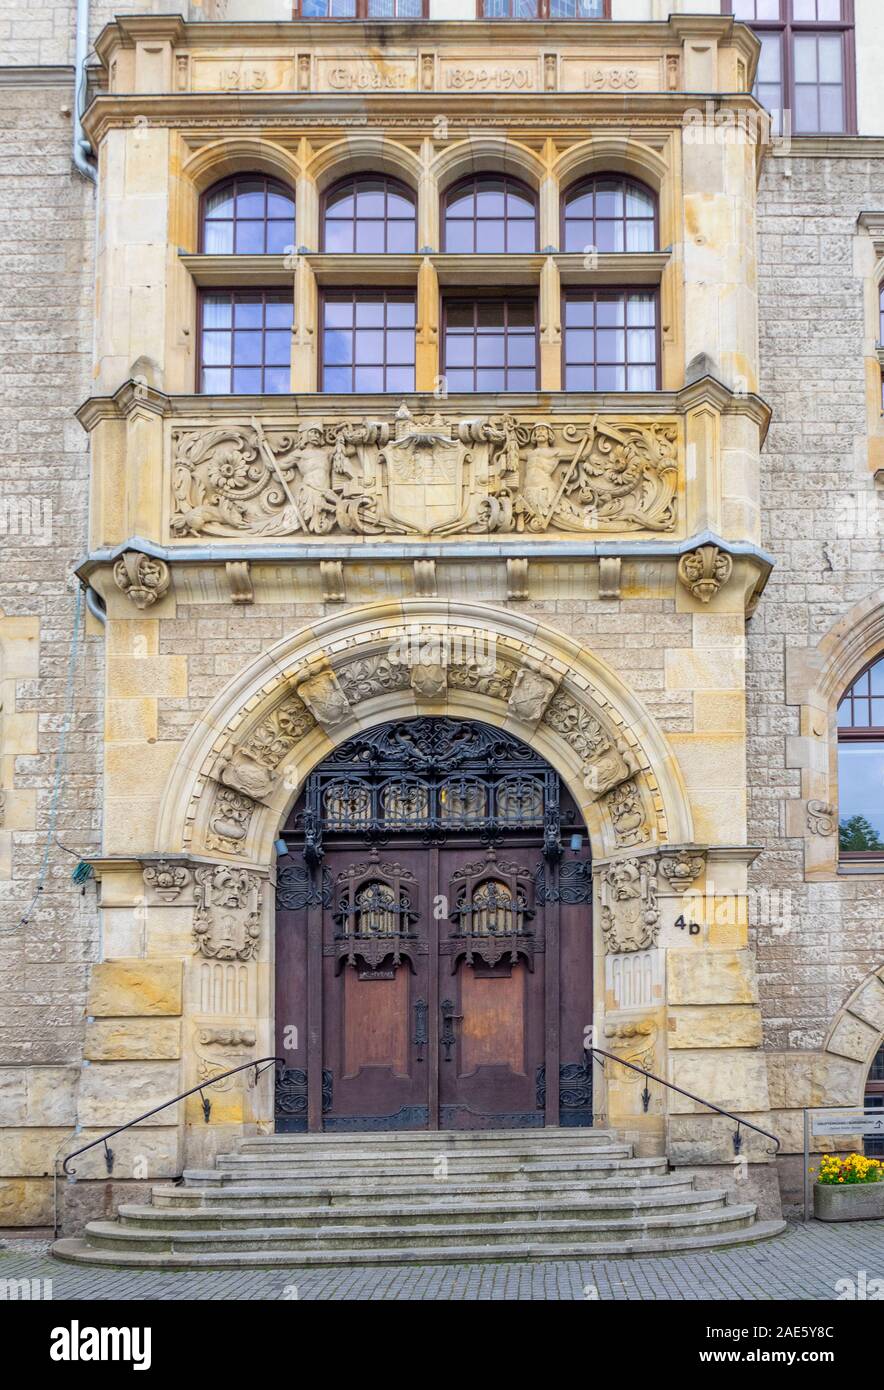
{"x":126,"y":31}
{"x":297,"y":111}
{"x":829,"y":147}
{"x":36,"y":76}
{"x":132,"y":396}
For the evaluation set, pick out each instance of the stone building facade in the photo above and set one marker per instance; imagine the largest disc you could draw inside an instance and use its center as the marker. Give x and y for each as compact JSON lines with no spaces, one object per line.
{"x":203,"y":595}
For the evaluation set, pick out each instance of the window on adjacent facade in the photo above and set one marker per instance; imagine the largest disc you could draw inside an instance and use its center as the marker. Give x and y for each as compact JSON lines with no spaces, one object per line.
{"x":489,"y":214}
{"x":248,"y":215}
{"x":368,"y":341}
{"x":806,"y":62}
{"x":610,"y":341}
{"x":369,"y":213}
{"x":544,"y":9}
{"x":490,"y":344}
{"x":609,"y":213}
{"x":245,"y":342}
{"x":361,"y":9}
{"x":861,"y":763}
{"x":874,"y":1100}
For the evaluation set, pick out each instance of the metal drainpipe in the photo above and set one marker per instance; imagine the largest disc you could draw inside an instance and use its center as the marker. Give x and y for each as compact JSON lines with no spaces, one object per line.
{"x":95,"y":605}
{"x":82,"y":149}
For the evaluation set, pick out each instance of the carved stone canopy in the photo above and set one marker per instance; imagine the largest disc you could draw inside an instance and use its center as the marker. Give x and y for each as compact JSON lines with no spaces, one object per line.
{"x":425,"y":476}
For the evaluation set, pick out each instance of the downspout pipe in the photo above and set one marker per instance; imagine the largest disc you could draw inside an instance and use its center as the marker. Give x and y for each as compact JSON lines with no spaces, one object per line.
{"x":82,"y":149}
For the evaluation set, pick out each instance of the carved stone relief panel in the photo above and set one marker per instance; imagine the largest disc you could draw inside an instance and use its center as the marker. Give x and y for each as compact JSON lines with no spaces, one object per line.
{"x":227,"y":920}
{"x":628,"y":892}
{"x":426,"y":476}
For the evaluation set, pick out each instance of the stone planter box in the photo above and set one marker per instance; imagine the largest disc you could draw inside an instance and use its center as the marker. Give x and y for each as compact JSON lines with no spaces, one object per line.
{"x":862,"y":1201}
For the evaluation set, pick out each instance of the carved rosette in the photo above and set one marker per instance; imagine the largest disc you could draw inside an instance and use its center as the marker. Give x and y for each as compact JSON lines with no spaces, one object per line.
{"x":227,"y":920}
{"x":628,"y":892}
{"x":142,"y":578}
{"x":428,"y":475}
{"x":704,"y":571}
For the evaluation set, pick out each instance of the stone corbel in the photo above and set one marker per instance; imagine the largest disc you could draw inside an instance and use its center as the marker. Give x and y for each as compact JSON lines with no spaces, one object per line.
{"x":425,"y":578}
{"x":704,"y":571}
{"x":166,"y":880}
{"x":142,"y":578}
{"x":240,"y":580}
{"x":517,"y":579}
{"x":609,"y":576}
{"x":331,"y":575}
{"x":682,"y":867}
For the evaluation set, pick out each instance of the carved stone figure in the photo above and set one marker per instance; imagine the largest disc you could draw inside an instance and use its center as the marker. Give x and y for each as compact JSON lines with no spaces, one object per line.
{"x":142,"y":578}
{"x":244,"y":773}
{"x":325,"y":699}
{"x":227,"y":921}
{"x":628,"y":890}
{"x":703,"y":571}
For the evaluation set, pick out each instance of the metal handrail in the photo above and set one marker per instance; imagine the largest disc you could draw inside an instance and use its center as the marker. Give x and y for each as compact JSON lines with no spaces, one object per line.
{"x":646,"y":1098}
{"x":207,"y":1110}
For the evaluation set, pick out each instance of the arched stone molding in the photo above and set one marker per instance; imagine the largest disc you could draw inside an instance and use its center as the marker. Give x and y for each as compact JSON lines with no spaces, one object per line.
{"x":363,"y":153}
{"x":856,"y":1035}
{"x":481,"y":153}
{"x":238,"y":155}
{"x":816,"y":678}
{"x":323,"y":684}
{"x":613,"y":154}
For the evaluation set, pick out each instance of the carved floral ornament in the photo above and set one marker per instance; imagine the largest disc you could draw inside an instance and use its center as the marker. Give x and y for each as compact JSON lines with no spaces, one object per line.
{"x":431,"y":664}
{"x":704,"y":571}
{"x":425,"y":476}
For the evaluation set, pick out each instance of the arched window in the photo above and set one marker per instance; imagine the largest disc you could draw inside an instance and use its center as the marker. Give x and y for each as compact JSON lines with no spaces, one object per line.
{"x":248,"y":215}
{"x":874,"y":1100}
{"x":861,"y":764}
{"x":881,"y":333}
{"x":609,"y":213}
{"x":489,"y":214}
{"x":369,"y":213}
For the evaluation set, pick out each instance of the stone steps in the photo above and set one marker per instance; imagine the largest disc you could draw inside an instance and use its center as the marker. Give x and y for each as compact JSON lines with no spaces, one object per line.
{"x":447,"y":1209}
{"x":300,"y":1201}
{"x":342,"y":1192}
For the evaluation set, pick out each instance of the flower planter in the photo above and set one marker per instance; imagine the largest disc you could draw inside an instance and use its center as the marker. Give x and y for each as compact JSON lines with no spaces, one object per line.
{"x":861,"y":1201}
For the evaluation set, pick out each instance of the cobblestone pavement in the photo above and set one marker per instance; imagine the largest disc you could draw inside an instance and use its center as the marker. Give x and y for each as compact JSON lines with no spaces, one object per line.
{"x":804,"y":1263}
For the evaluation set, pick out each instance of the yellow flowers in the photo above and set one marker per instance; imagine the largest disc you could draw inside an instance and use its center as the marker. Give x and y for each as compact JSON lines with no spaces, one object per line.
{"x":852,"y":1169}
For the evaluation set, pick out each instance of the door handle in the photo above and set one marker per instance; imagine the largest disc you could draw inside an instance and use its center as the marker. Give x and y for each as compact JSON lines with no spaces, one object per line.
{"x":420,"y":1028}
{"x":446,"y":1036}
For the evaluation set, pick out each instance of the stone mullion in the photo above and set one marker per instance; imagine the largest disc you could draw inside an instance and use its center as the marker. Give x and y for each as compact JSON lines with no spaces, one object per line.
{"x":305,"y":332}
{"x":550,"y":319}
{"x":428,"y":366}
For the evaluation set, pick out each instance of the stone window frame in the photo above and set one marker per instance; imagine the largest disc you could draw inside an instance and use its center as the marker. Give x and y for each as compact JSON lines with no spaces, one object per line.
{"x":361,"y":11}
{"x":271,"y":185}
{"x":352,"y":181}
{"x":816,"y":679}
{"x":544,"y":11}
{"x":788,"y":28}
{"x":859,"y":733}
{"x":571,"y":293}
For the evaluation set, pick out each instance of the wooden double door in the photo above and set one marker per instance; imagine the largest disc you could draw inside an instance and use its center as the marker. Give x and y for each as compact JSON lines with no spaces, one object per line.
{"x":433,"y":986}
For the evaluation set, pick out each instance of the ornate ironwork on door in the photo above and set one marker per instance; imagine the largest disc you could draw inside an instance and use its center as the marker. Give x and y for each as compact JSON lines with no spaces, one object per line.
{"x":375,"y":912}
{"x":492,"y":912}
{"x":431,"y":777}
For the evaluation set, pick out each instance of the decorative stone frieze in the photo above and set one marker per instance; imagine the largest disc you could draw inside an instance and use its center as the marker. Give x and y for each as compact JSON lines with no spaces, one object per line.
{"x":704,"y":571}
{"x":605,"y":765}
{"x":142,"y":578}
{"x":425,"y":476}
{"x":628,"y":891}
{"x":227,"y":920}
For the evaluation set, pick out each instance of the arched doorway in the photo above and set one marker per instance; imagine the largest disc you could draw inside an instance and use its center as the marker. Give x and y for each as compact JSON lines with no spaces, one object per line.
{"x":874,"y":1100}
{"x":433,"y":937}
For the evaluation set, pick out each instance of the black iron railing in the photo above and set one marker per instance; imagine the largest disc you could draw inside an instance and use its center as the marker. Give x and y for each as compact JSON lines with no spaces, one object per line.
{"x":260,"y":1064}
{"x":736,"y":1137}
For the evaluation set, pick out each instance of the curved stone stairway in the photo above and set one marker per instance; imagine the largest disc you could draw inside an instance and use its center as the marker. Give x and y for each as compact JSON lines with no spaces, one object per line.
{"x":419,"y":1198}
